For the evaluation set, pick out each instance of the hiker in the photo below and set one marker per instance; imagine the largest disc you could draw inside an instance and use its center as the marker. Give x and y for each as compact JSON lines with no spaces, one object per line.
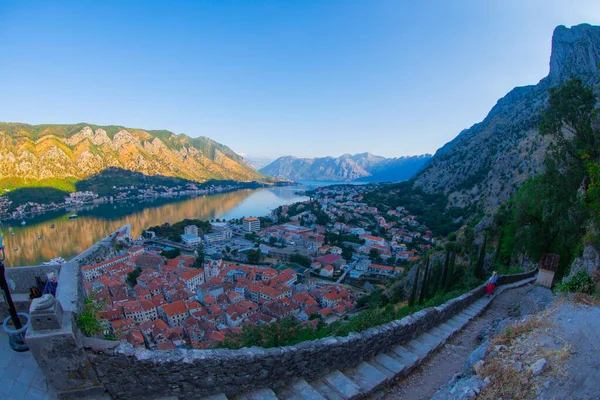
{"x":492,"y":282}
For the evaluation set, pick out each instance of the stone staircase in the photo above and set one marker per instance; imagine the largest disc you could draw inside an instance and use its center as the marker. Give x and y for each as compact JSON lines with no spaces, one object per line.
{"x":369,"y":376}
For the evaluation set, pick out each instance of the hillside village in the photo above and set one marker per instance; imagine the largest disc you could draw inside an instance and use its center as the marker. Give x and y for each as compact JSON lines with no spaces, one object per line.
{"x":309,"y":261}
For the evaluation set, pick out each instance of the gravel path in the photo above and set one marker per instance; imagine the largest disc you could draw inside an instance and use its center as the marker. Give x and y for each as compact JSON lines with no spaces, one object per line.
{"x":423,"y":382}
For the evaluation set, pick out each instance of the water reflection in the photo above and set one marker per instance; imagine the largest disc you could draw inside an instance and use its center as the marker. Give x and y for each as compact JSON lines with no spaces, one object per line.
{"x":70,"y":237}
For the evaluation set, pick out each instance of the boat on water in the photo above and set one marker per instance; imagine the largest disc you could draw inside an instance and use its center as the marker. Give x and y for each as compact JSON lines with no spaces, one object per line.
{"x":22,"y":222}
{"x":52,"y":226}
{"x":55,"y":261}
{"x":73,"y":216}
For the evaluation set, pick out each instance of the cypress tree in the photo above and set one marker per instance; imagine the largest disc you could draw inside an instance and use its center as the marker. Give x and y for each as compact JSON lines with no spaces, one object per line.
{"x":450,"y":273}
{"x":424,"y":288}
{"x":434,"y":278}
{"x":446,"y":264}
{"x":413,"y":292}
{"x":479,"y":271}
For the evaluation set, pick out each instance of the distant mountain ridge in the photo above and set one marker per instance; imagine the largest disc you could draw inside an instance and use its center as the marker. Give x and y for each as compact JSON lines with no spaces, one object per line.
{"x":55,"y":153}
{"x":364,"y":167}
{"x":485,"y":164}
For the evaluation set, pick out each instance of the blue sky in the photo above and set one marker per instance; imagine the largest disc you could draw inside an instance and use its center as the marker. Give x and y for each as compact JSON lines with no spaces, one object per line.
{"x":272,"y":78}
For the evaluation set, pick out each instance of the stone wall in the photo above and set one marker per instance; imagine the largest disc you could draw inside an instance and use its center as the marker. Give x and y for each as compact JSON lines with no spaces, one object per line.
{"x":193,"y":374}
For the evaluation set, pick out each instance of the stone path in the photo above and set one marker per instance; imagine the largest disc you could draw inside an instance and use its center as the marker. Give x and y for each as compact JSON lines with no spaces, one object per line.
{"x":20,"y":376}
{"x":368,"y":377}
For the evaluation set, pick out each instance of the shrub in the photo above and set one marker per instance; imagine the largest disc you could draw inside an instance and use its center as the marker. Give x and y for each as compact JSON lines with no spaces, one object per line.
{"x":580,"y":283}
{"x":88,"y":321}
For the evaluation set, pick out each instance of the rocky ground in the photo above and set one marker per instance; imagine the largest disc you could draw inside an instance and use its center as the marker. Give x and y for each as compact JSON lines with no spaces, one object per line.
{"x":529,"y":344}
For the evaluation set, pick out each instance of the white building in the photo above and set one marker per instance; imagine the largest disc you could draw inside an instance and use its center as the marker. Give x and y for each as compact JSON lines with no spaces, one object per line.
{"x":191,"y":230}
{"x":251,"y":224}
{"x":218,"y":235}
{"x":190,"y":239}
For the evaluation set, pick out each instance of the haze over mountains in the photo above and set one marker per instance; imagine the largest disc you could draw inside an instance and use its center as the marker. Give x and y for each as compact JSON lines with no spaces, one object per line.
{"x":50,"y":154}
{"x":364,"y":167}
{"x":485,"y":164}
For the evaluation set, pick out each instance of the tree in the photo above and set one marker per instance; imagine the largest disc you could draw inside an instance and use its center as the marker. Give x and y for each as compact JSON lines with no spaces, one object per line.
{"x":132,"y":277}
{"x":300,"y":259}
{"x":413,"y":292}
{"x":568,"y":119}
{"x":170,"y":254}
{"x":254,"y":256}
{"x":373,"y":254}
{"x":423,"y":294}
{"x":479,"y":266}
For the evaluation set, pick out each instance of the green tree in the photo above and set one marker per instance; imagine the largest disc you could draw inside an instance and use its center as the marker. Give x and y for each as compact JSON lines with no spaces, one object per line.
{"x":479,"y":266}
{"x":170,"y":254}
{"x":132,"y":277}
{"x":254,"y":256}
{"x":424,"y":286}
{"x":373,"y":254}
{"x":413,"y":292}
{"x":300,"y":259}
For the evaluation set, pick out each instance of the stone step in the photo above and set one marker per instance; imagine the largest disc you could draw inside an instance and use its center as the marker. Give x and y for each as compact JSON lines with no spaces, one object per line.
{"x":447,"y":328}
{"x":465,"y":316}
{"x":471,"y":312}
{"x":420,"y":349}
{"x":261,"y":394}
{"x":219,"y":396}
{"x":342,"y":384}
{"x":441,"y":333}
{"x":390,"y":363}
{"x":299,"y":390}
{"x":388,"y":374}
{"x":428,"y":338}
{"x":459,"y":320}
{"x":324,"y":390}
{"x":408,"y":358}
{"x":367,"y":377}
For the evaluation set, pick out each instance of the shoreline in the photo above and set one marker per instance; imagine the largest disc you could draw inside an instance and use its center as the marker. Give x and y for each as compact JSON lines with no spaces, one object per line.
{"x":104,"y":200}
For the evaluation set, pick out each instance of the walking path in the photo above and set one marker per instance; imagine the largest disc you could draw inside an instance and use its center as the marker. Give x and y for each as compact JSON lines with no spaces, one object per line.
{"x":423,"y":382}
{"x":366,"y":378}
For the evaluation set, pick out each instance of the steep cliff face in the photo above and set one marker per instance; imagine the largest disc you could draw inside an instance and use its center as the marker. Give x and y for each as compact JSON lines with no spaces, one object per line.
{"x":79,"y":151}
{"x":363,"y":167}
{"x":486,"y":163}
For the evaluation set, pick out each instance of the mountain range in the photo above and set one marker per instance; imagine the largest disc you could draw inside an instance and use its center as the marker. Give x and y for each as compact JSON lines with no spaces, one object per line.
{"x":364,"y":167}
{"x":57,"y":155}
{"x":485,"y":164}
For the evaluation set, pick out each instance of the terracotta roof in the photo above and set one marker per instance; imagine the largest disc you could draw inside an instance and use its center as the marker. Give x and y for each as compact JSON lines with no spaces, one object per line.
{"x":176,"y":308}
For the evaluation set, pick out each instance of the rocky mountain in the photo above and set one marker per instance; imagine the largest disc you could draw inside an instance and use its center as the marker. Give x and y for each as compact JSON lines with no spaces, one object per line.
{"x":363,"y":166}
{"x":56,"y":153}
{"x":396,"y":169}
{"x":485,"y":164}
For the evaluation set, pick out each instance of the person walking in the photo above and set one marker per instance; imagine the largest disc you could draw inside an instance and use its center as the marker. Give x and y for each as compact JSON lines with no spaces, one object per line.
{"x":492,"y":282}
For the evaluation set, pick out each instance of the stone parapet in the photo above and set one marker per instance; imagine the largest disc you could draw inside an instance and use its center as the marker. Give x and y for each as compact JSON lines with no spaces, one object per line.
{"x":129,"y":373}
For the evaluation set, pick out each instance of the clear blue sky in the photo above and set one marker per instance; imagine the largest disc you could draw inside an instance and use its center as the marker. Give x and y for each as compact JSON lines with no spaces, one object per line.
{"x":271,"y":78}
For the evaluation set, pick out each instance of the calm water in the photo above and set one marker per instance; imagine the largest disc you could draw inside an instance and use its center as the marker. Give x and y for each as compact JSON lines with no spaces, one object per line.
{"x":70,"y":237}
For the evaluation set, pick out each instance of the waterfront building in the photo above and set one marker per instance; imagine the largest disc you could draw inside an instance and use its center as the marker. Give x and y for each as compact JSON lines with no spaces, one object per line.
{"x":251,"y":224}
{"x":190,"y":239}
{"x":191,"y":230}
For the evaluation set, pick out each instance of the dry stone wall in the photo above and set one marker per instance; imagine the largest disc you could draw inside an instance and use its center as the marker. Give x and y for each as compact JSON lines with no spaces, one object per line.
{"x":193,"y":374}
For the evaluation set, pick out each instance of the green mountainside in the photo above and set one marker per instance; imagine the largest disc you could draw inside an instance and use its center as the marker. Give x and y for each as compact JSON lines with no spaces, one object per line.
{"x":60,"y":155}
